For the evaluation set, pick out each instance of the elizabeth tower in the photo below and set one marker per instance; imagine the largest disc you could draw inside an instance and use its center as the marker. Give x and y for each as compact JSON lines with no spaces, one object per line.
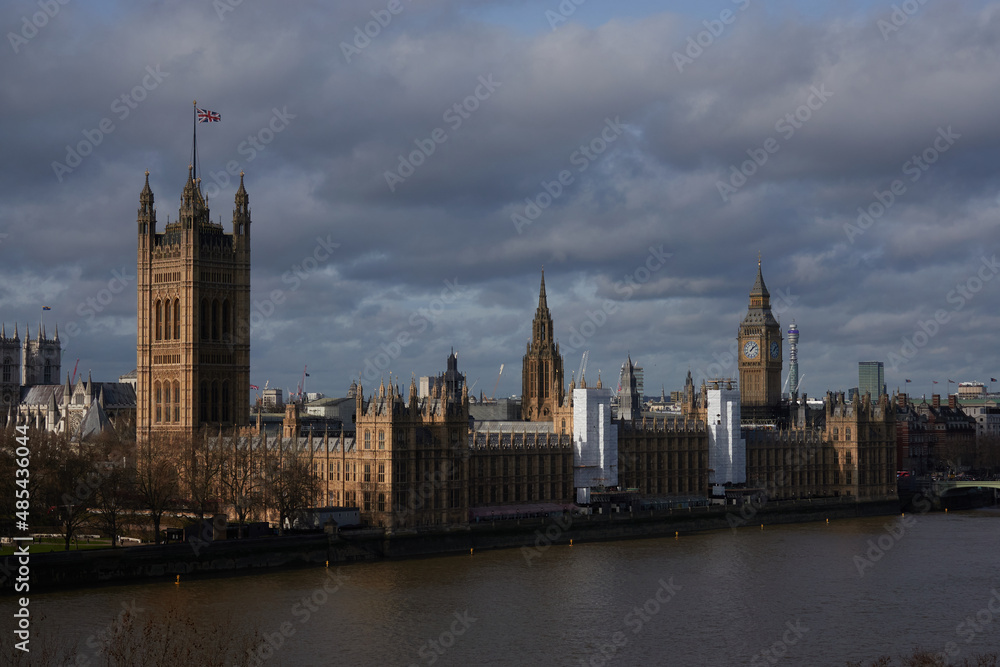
{"x":193,"y":347}
{"x":759,"y":341}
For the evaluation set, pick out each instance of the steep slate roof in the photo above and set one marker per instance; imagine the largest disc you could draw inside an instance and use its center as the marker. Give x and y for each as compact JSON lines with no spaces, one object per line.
{"x":94,"y":422}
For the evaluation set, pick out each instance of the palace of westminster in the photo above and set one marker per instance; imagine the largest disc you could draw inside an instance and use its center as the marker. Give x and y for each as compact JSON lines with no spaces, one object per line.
{"x":419,"y":458}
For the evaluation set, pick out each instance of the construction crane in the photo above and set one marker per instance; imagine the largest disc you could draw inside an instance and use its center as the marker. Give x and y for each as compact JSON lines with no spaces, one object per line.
{"x":302,"y":382}
{"x":74,"y":371}
{"x":496,"y":384}
{"x":583,"y":365}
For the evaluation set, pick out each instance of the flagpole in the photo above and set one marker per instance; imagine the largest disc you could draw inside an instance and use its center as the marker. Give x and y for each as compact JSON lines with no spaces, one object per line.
{"x":194,"y":139}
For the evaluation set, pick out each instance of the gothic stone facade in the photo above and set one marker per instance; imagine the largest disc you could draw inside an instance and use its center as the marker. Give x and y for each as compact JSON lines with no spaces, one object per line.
{"x":416,"y":463}
{"x":849,"y":451}
{"x":193,"y":348}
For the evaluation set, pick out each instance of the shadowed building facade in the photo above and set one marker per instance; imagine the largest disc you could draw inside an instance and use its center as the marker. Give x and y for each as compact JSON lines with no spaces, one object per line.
{"x":193,"y":347}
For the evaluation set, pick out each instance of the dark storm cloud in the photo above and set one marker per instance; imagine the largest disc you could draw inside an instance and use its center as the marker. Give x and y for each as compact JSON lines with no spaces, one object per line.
{"x":645,"y":147}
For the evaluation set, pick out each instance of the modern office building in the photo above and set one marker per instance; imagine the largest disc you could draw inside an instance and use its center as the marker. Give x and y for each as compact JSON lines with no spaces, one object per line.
{"x":871,"y":378}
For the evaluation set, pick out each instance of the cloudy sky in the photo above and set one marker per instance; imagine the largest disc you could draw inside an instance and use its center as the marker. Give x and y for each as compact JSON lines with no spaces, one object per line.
{"x":409,"y":184}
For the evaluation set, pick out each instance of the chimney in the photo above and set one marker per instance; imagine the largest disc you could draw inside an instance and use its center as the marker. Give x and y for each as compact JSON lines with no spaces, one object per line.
{"x":953,"y":401}
{"x":936,"y":400}
{"x":901,"y":400}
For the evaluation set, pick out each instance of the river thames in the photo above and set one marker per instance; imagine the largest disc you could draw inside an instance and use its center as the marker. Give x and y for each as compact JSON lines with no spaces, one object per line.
{"x":804,"y":594}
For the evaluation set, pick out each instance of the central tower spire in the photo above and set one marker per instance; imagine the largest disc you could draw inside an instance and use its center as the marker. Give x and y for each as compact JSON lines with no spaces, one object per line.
{"x":542,"y":373}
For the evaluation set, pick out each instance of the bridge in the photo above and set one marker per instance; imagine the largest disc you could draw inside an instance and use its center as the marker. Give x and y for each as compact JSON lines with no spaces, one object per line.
{"x":954,"y":489}
{"x":944,"y":485}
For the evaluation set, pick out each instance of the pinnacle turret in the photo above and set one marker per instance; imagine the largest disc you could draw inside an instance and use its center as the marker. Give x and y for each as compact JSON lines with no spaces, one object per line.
{"x":193,"y":209}
{"x":542,"y":303}
{"x":241,"y":210}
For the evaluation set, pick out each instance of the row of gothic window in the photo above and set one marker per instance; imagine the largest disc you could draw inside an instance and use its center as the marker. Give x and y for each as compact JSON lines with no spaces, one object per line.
{"x":166,"y":402}
{"x":368,"y":439}
{"x":216,"y":319}
{"x":8,"y":372}
{"x":215,"y":404}
{"x":168,"y":319}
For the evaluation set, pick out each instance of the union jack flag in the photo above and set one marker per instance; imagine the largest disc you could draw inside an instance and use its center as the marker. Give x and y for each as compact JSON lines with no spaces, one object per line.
{"x":206,"y":116}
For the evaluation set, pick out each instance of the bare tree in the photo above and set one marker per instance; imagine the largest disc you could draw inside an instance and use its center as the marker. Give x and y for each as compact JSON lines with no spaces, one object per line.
{"x":240,"y":477}
{"x":116,"y":497}
{"x":201,"y":470}
{"x":156,"y":477}
{"x":988,"y":454}
{"x":72,"y":475}
{"x":290,"y":483}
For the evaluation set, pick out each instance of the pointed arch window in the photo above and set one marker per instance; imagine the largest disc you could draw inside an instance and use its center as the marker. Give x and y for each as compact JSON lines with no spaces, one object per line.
{"x":214,"y":404}
{"x":204,"y":319}
{"x":159,"y":320}
{"x":177,"y":319}
{"x":225,"y":400}
{"x":167,"y":329}
{"x":226,"y":315}
{"x":215,"y":319}
{"x":177,"y":401}
{"x":203,"y":401}
{"x":157,"y":402}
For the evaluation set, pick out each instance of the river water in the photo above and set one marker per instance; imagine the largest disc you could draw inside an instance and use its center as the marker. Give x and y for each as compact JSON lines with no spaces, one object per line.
{"x":806,"y":594}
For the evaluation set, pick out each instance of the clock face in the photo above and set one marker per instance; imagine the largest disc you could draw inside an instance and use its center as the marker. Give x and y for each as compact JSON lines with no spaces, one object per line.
{"x":775,"y":350}
{"x":751,"y":349}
